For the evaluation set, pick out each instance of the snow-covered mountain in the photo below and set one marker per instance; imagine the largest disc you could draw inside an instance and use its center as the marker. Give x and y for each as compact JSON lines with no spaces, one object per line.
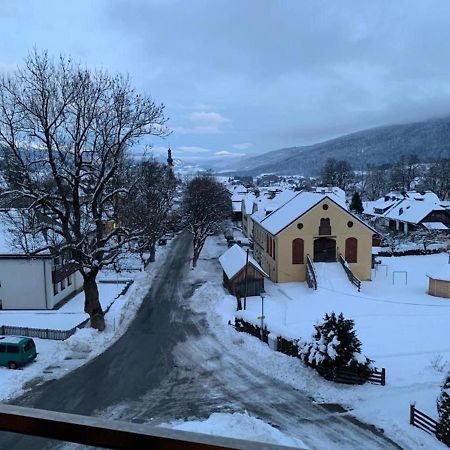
{"x":429,"y":140}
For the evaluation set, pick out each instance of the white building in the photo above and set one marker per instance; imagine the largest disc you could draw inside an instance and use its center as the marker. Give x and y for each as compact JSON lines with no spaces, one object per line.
{"x":407,"y":211}
{"x":33,"y":282}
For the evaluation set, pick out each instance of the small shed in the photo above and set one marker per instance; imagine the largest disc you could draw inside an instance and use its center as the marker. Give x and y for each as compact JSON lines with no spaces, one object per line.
{"x":439,"y":284}
{"x":233,"y":265}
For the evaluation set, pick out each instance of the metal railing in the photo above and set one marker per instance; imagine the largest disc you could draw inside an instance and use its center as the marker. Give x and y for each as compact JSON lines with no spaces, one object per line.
{"x":351,"y":276}
{"x":311,"y":276}
{"x":115,"y":434}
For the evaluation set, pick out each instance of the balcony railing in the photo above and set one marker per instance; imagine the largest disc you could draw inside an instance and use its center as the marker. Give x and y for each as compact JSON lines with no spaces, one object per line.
{"x":110,"y":434}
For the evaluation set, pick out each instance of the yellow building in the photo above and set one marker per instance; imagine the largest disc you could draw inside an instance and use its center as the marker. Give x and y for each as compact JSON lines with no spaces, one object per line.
{"x":312,"y":224}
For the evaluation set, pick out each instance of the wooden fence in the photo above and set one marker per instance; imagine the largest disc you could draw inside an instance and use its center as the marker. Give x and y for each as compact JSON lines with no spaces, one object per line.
{"x":426,"y":423}
{"x":351,"y":276}
{"x":42,"y":333}
{"x":349,"y":376}
{"x":57,"y":335}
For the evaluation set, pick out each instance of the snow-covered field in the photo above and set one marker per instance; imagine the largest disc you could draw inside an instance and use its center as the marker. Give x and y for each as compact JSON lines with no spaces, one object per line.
{"x":401,"y":327}
{"x":68,"y":316}
{"x":56,"y":358}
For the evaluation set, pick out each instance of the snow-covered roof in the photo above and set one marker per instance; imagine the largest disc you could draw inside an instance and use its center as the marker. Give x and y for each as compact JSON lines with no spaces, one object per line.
{"x":442,"y":274}
{"x":331,"y":190}
{"x":412,"y":211}
{"x":233,"y":261}
{"x":269,"y":201}
{"x":380,"y":204}
{"x":434,"y":226}
{"x":247,"y":206}
{"x":12,"y":339}
{"x":237,"y":189}
{"x":294,"y":208}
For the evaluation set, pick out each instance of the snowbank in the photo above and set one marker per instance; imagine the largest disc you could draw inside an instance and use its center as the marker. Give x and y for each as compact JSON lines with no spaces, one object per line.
{"x":240,"y":426}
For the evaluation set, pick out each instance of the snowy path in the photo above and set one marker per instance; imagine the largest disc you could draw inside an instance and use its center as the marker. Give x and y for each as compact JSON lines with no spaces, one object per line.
{"x":173,"y":365}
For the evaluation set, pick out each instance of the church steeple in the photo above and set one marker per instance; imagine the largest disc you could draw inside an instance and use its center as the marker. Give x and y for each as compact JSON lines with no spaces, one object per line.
{"x":169,"y":158}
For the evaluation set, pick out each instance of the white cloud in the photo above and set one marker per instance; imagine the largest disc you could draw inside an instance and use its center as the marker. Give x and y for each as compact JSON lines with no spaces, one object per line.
{"x":192,"y":149}
{"x":243,"y":146}
{"x":227,"y":153}
{"x":203,"y":122}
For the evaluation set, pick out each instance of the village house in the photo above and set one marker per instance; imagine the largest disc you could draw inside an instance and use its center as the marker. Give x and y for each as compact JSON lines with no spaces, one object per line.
{"x":408,"y":211}
{"x":314,"y":225}
{"x":37,"y":281}
{"x":234,"y":263}
{"x":237,"y":193}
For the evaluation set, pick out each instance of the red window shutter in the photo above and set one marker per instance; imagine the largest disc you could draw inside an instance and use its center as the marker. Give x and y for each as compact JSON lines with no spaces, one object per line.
{"x":297,"y":251}
{"x":351,"y":250}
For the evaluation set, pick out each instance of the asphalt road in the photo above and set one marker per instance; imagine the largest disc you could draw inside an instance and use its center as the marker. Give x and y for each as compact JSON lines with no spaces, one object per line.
{"x":169,"y":365}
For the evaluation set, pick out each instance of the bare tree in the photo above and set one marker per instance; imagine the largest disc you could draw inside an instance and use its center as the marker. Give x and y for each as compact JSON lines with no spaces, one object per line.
{"x":404,"y":172}
{"x":438,"y":178}
{"x":337,"y":173}
{"x":376,"y":182}
{"x":148,"y":209}
{"x":65,"y":131}
{"x":206,"y":204}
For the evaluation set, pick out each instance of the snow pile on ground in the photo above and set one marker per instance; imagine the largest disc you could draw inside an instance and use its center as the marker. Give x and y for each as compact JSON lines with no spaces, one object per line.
{"x":239,"y":426}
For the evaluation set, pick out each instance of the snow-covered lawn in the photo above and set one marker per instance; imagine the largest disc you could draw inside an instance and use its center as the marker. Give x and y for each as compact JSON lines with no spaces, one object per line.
{"x":68,"y":316}
{"x":57,"y":358}
{"x":401,"y":327}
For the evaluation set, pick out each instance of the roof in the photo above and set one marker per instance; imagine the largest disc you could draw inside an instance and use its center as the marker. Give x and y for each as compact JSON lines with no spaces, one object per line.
{"x":233,"y":261}
{"x":434,"y":226}
{"x":299,"y":205}
{"x":442,"y":274}
{"x":270,"y":201}
{"x":381,"y":203}
{"x":248,"y":203}
{"x":412,"y":211}
{"x":12,"y":339}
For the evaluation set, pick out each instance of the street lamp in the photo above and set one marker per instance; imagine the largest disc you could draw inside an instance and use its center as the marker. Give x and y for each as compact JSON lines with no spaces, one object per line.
{"x":263,"y":294}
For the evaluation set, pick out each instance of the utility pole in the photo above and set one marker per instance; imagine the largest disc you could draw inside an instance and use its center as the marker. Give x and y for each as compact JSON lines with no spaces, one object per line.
{"x":262,"y":316}
{"x":245,"y":287}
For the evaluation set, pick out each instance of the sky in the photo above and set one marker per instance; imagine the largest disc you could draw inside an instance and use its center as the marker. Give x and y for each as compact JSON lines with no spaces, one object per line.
{"x":240,"y":77}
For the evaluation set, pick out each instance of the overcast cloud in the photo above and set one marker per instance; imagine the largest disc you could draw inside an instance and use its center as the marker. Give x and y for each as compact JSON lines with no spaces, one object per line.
{"x":250,"y":76}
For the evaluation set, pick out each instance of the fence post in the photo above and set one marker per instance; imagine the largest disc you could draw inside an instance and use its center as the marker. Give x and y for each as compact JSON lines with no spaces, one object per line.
{"x":411,"y":413}
{"x":383,"y":376}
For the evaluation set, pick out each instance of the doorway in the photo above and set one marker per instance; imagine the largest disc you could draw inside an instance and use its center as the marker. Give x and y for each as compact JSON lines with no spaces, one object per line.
{"x":324,"y":250}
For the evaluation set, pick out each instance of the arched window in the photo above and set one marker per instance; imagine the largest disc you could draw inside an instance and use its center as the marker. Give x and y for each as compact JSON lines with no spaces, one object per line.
{"x":351,"y":250}
{"x":325,"y":227}
{"x":297,"y":251}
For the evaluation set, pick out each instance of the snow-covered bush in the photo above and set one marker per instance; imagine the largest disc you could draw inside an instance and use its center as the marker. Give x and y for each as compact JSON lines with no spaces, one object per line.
{"x":335,"y":346}
{"x":443,"y":407}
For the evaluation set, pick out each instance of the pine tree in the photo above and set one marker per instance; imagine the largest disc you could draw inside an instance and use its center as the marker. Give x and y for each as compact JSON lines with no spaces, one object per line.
{"x":335,"y":346}
{"x":443,"y":407}
{"x":356,"y":203}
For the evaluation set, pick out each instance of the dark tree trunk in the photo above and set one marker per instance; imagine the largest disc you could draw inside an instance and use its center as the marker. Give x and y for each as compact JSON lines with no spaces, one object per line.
{"x":152,"y":252}
{"x":92,"y":304}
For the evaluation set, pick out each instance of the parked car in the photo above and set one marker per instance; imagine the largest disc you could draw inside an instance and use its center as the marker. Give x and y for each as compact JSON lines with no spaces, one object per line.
{"x":16,"y":351}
